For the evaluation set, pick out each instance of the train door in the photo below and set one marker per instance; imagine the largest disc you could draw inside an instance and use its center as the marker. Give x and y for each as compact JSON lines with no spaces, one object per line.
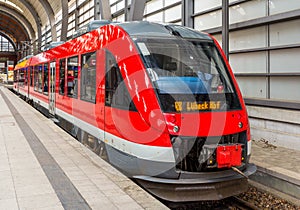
{"x":110,"y":78}
{"x":118,"y":105}
{"x":52,"y":89}
{"x":109,"y":125}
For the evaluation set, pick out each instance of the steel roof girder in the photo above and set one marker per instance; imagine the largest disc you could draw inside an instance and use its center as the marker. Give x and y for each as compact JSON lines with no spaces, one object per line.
{"x":21,"y":19}
{"x":50,"y":14}
{"x":37,"y":19}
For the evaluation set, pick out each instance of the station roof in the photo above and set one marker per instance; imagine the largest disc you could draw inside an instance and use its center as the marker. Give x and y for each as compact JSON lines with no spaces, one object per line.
{"x":21,"y":20}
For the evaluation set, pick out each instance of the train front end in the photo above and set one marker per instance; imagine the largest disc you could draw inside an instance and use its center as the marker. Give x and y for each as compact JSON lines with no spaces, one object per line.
{"x":203,"y":112}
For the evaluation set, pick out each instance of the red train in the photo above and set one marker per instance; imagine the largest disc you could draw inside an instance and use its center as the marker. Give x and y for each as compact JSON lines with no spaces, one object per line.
{"x":158,"y":101}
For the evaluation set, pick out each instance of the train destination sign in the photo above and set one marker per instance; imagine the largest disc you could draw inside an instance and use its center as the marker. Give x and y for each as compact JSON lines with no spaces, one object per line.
{"x":195,"y":106}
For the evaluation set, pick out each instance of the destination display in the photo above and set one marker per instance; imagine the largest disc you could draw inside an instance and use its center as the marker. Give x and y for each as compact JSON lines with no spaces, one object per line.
{"x":195,"y":106}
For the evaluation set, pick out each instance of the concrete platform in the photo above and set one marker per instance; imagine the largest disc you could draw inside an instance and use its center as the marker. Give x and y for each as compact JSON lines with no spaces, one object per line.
{"x":277,"y":168}
{"x":42,"y":167}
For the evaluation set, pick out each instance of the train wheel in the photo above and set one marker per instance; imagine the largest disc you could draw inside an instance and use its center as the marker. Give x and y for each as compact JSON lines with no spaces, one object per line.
{"x":90,"y":141}
{"x":102,"y":151}
{"x":82,"y":137}
{"x":96,"y":145}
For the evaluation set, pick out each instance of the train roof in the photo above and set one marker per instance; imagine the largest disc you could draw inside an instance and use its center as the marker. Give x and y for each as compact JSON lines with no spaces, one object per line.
{"x":52,"y":45}
{"x":92,"y":25}
{"x":135,"y":28}
{"x":145,"y":28}
{"x":24,"y":59}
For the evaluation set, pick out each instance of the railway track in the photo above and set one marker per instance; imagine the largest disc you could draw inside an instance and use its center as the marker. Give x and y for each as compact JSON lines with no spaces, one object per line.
{"x":238,"y":203}
{"x":232,"y":203}
{"x":253,"y":199}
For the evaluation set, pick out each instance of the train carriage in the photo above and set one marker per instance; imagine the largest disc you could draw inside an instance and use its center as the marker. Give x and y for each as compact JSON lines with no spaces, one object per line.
{"x":158,"y":101}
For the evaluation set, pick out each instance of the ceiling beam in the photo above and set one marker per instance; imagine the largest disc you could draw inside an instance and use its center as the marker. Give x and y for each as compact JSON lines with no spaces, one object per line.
{"x":21,"y":19}
{"x":64,"y":21}
{"x":11,"y":31}
{"x":37,"y":19}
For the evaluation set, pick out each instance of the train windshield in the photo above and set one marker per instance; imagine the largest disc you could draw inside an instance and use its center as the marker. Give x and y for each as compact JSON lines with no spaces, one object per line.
{"x":188,"y":75}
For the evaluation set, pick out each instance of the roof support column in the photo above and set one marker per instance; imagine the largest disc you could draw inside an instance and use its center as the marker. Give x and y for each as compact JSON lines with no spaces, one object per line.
{"x":76,"y":16}
{"x":38,"y":42}
{"x":187,"y":12}
{"x":225,"y":27}
{"x":137,"y":10}
{"x":102,"y":10}
{"x":50,"y":14}
{"x":126,"y":10}
{"x":64,"y":21}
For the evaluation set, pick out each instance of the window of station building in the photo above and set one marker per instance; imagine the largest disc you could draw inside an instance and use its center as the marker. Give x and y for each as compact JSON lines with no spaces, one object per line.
{"x":88,"y":77}
{"x":46,"y":85}
{"x":203,"y":5}
{"x":173,"y":13}
{"x":152,"y":6}
{"x":72,"y":76}
{"x":6,"y":45}
{"x":208,"y":20}
{"x":170,"y":11}
{"x":248,"y":10}
{"x":62,"y":66}
{"x":86,"y":12}
{"x":279,"y":6}
{"x":116,"y":93}
{"x":71,"y":25}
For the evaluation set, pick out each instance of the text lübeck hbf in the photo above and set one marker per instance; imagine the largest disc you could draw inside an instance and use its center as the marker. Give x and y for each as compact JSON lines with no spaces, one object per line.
{"x":194,"y":106}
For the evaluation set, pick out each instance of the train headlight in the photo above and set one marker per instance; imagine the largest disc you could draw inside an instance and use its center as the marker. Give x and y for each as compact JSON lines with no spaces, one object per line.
{"x":240,"y":125}
{"x":176,"y":129}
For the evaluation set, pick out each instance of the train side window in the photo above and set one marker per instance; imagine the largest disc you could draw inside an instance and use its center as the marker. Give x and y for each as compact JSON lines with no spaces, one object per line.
{"x":88,"y":77}
{"x":16,"y":76}
{"x":116,"y":93}
{"x":26,"y":76}
{"x":31,"y":75}
{"x":40,"y":79}
{"x":72,"y":77}
{"x":62,"y":67}
{"x":36,"y":78}
{"x":21,"y":78}
{"x":45,"y":86}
